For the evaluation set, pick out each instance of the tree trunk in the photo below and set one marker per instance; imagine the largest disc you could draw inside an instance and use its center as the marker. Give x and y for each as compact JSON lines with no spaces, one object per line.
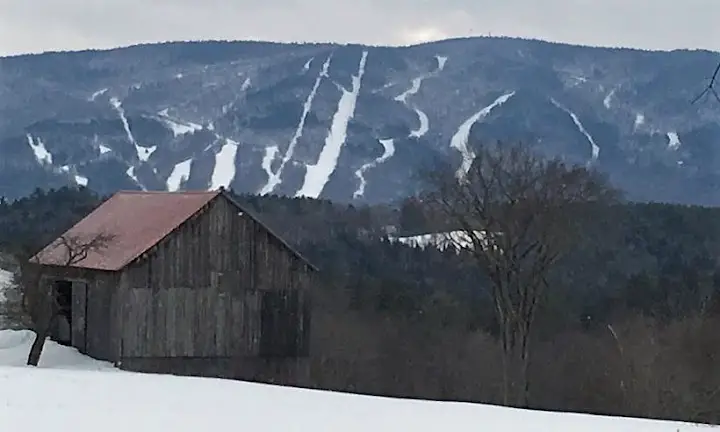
{"x":506,"y":350}
{"x":515,"y":364}
{"x":42,"y":331}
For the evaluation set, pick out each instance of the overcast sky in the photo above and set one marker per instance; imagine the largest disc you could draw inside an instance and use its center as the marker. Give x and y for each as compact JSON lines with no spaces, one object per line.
{"x":42,"y":25}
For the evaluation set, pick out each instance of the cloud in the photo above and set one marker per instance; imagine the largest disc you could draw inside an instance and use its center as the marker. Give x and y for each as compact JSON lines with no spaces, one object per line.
{"x":40,"y":25}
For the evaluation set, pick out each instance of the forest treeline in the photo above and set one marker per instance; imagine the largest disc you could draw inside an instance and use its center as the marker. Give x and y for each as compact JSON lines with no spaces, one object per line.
{"x":629,"y":326}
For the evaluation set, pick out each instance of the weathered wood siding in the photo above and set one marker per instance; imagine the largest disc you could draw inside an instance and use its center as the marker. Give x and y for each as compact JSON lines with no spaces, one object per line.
{"x":101,"y":337}
{"x":198,"y":292}
{"x":93,"y":329}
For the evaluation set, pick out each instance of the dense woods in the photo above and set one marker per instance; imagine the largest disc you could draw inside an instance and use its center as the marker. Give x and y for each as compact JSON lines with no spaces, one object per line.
{"x":629,"y":327}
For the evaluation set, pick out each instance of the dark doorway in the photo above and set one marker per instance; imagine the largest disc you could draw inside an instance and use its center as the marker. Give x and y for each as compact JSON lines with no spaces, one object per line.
{"x":63,"y":322}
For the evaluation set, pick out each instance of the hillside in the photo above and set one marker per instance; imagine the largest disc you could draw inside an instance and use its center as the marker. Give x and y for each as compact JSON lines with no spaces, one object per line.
{"x":351,"y":123}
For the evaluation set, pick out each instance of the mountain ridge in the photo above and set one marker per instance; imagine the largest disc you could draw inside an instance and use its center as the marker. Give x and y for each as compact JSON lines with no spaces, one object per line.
{"x":352,"y":122}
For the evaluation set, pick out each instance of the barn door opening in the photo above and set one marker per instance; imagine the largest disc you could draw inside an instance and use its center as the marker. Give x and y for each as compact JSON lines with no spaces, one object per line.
{"x":63,"y":322}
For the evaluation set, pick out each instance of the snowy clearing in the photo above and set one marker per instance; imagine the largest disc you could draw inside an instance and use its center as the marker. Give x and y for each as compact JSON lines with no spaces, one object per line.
{"x":70,"y":392}
{"x":42,"y":155}
{"x":81,"y":180}
{"x":224,"y":171}
{"x":673,"y":141}
{"x":179,"y":175}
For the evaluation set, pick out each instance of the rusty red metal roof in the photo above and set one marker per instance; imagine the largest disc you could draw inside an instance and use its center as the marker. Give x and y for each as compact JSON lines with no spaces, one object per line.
{"x":135,"y":221}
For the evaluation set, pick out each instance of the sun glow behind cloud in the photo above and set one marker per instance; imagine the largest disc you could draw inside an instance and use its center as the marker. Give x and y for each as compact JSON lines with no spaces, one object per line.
{"x":421,"y":35}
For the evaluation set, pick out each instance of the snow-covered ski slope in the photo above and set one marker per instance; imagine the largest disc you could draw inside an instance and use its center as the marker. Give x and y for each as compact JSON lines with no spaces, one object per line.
{"x":72,"y":393}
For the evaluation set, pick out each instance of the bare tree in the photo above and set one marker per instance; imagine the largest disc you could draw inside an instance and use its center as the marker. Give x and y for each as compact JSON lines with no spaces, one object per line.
{"x":39,"y":298}
{"x":518,"y":212}
{"x":710,"y":87}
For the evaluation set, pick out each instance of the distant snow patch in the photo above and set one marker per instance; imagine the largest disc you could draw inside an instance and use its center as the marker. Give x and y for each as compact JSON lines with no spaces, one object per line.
{"x":104,"y":149}
{"x":224,"y":171}
{"x":457,"y":240}
{"x":81,"y":180}
{"x":317,"y":175}
{"x":42,"y":155}
{"x":673,"y":141}
{"x":442,"y":60}
{"x":246,"y":84}
{"x":459,"y":141}
{"x":306,"y":67}
{"x":179,"y":175}
{"x":608,"y":99}
{"x":180,"y":127}
{"x":389,"y":150}
{"x":639,"y":120}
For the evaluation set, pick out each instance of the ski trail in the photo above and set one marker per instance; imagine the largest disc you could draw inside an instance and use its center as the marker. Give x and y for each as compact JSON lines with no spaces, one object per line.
{"x":274,"y":177}
{"x":179,"y":174}
{"x":224,"y":171}
{"x":97,"y":94}
{"x":423,"y":119}
{"x":389,"y":150}
{"x":306,"y":67}
{"x":270,"y":153}
{"x":317,"y":175}
{"x":143,"y":153}
{"x":131,"y":173}
{"x":402,"y":97}
{"x":459,"y":141}
{"x":581,"y":128}
{"x":673,"y":141}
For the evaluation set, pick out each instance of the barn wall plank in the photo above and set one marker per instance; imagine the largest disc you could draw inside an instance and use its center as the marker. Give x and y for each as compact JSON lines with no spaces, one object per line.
{"x":199,"y":292}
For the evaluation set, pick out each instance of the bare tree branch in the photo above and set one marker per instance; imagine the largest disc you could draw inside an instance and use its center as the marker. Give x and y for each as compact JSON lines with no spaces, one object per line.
{"x":710,"y":88}
{"x":39,"y":297}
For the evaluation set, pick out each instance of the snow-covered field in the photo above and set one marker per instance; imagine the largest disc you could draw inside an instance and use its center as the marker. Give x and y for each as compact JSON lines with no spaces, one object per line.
{"x":70,"y":392}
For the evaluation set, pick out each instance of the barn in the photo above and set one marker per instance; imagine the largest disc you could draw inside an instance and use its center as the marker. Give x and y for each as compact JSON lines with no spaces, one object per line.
{"x":187,"y":283}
